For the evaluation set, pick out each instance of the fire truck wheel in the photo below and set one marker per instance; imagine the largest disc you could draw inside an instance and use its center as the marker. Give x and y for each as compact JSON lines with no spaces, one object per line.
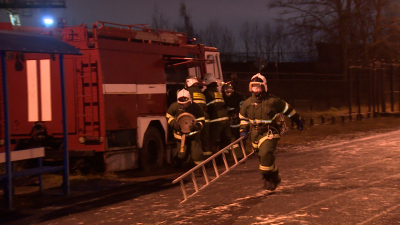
{"x":151,"y":154}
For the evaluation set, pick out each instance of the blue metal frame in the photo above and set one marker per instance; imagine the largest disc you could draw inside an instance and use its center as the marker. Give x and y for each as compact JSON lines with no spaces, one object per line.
{"x":8,"y":186}
{"x":66,"y":184}
{"x":33,"y":43}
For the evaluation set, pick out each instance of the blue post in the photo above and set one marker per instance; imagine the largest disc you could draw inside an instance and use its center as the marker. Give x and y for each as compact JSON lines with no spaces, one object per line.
{"x":40,"y":164}
{"x":66,"y":184}
{"x":8,"y":187}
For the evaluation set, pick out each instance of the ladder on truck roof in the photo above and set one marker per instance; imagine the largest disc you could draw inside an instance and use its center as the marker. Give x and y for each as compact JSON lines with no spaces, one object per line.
{"x":216,"y":172}
{"x":139,"y":32}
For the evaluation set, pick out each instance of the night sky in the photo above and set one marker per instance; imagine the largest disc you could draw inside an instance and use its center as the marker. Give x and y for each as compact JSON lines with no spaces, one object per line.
{"x":229,"y":13}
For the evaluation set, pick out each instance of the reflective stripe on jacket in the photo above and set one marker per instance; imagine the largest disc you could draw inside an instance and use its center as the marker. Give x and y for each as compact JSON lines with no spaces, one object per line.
{"x":262,"y":113}
{"x":215,"y":104}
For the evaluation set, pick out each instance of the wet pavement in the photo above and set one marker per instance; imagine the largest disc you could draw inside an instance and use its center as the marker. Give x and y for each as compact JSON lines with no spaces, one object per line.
{"x":348,"y":182}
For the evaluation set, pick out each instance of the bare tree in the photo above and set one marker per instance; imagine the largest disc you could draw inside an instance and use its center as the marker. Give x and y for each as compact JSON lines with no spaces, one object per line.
{"x":210,"y":35}
{"x":284,"y":44}
{"x":256,"y":34}
{"x":348,"y":23}
{"x":159,"y":21}
{"x":330,"y":19}
{"x":269,"y":42}
{"x":218,"y":36}
{"x":245,"y":35}
{"x":384,"y":24}
{"x":186,"y":25}
{"x":263,"y":41}
{"x":228,"y":41}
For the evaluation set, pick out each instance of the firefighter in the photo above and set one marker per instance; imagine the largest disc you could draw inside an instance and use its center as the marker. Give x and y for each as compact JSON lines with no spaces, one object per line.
{"x":219,"y":120}
{"x":233,"y":101}
{"x":258,"y":113}
{"x":192,"y":140}
{"x":194,"y":87}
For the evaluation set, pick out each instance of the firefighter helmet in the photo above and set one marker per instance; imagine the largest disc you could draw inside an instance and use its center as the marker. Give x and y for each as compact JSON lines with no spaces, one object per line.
{"x":258,"y":79}
{"x":227,"y":89}
{"x":184,"y":98}
{"x":191,"y":80}
{"x":209,"y":78}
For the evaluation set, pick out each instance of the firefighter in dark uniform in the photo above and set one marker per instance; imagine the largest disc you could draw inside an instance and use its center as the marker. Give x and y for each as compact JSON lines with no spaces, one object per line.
{"x":194,"y":87}
{"x":219,"y":120}
{"x":258,"y":115}
{"x":233,"y":101}
{"x":192,"y":139}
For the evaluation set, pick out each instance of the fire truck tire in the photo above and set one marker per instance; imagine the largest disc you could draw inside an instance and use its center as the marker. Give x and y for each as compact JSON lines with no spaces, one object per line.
{"x":151,"y":155}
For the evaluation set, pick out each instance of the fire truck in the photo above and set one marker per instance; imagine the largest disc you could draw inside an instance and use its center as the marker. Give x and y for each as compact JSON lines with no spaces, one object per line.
{"x":118,"y":92}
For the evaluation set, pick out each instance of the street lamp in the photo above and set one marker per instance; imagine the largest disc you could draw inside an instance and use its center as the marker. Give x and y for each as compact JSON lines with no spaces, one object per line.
{"x":48,"y":21}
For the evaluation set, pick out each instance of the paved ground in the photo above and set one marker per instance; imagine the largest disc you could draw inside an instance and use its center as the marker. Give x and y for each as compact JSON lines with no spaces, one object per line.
{"x":330,"y":182}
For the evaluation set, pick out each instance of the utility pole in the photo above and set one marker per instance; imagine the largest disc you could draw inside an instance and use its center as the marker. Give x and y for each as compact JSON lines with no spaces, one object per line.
{"x":14,"y":18}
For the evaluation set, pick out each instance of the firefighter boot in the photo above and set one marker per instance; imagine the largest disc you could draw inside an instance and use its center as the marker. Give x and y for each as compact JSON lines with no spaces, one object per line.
{"x":267,"y":180}
{"x":177,"y":163}
{"x":271,"y":180}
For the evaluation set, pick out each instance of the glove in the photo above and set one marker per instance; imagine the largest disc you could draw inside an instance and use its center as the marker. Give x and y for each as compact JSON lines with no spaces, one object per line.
{"x":243,"y":133}
{"x":176,"y":126}
{"x":300,"y":124}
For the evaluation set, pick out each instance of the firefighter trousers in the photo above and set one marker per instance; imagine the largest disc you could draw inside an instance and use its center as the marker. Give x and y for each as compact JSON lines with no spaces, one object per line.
{"x":192,"y":147}
{"x":205,"y":136}
{"x":266,"y":154}
{"x":235,"y":130}
{"x":221,"y":131}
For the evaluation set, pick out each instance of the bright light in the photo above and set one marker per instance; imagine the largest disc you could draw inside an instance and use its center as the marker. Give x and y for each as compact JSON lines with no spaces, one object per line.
{"x":48,"y":21}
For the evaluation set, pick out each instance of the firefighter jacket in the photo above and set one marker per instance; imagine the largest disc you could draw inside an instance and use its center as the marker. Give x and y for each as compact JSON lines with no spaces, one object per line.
{"x":260,"y":115}
{"x":232,"y":104}
{"x":215,"y":104}
{"x":174,"y":111}
{"x":198,"y":96}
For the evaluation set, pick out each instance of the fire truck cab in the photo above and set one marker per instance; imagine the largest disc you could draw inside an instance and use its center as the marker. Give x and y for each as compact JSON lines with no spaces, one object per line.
{"x":118,"y":92}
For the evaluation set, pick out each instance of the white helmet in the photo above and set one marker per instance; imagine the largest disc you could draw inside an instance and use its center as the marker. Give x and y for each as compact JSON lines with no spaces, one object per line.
{"x":183,"y":97}
{"x":210,"y":78}
{"x":258,"y":79}
{"x":191,"y":80}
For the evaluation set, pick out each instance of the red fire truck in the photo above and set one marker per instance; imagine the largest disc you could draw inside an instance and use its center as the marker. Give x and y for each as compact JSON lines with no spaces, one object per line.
{"x":117,"y":92}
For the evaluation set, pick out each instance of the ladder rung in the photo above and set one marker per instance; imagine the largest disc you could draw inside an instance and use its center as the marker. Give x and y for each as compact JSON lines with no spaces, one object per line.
{"x":215,"y":167}
{"x":84,"y":115}
{"x":84,"y":76}
{"x":87,"y":84}
{"x":85,"y":65}
{"x":85,"y":69}
{"x":92,"y":123}
{"x":183,"y":189}
{"x":196,"y":187}
{"x":91,"y":103}
{"x":205,"y":174}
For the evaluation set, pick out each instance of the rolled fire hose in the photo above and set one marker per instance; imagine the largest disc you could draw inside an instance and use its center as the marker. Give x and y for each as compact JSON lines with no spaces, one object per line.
{"x":185,"y":121}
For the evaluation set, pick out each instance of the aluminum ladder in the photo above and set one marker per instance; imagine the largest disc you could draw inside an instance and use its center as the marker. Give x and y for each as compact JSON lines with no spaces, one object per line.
{"x":218,"y":174}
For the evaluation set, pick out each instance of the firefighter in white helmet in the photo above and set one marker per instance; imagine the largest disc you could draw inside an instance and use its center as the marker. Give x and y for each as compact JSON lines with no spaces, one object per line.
{"x":194,"y":87}
{"x":258,"y":114}
{"x":184,"y":104}
{"x":219,"y":120}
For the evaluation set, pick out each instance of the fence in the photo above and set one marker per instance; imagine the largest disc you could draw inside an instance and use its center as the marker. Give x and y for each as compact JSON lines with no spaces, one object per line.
{"x":375,"y":86}
{"x":301,"y":90}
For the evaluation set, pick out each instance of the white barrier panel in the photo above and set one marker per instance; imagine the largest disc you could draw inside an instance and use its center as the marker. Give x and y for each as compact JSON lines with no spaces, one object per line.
{"x":23,"y":154}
